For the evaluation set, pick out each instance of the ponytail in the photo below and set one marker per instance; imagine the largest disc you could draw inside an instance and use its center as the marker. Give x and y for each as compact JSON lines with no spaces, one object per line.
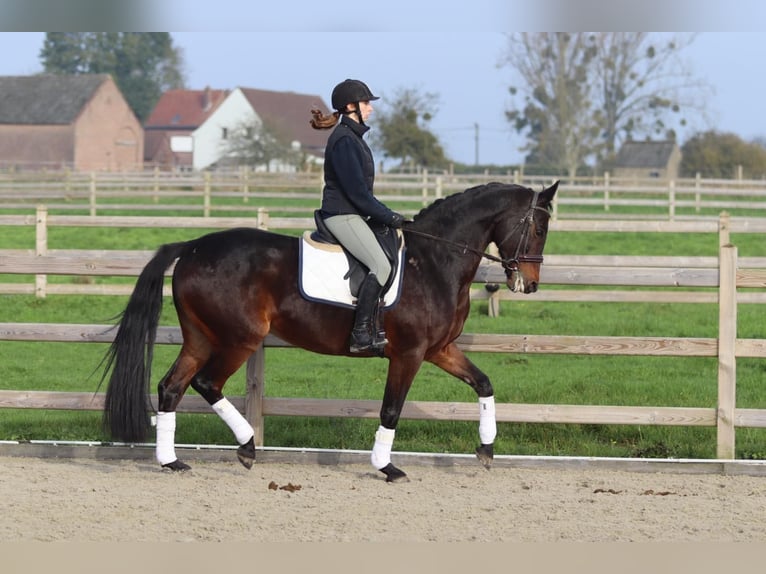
{"x":319,"y":121}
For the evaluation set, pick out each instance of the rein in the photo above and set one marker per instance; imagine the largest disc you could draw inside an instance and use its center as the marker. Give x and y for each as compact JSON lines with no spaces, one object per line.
{"x":510,"y":264}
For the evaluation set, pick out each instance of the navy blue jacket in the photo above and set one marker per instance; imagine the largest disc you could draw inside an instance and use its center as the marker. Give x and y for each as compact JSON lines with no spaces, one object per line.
{"x":349,"y":175}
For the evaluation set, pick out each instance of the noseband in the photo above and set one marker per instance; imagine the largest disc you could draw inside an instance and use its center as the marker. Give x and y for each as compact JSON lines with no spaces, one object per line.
{"x":510,"y":264}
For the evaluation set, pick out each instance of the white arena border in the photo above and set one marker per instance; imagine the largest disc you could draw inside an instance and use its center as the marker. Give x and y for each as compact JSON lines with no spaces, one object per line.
{"x":53,"y":449}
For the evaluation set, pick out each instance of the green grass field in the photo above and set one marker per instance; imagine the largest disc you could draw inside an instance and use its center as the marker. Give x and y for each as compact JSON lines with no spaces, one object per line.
{"x":555,"y":379}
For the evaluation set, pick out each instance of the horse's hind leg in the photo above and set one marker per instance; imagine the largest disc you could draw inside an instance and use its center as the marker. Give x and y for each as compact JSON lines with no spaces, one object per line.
{"x":452,"y":360}
{"x":209,"y":382}
{"x":170,"y":391}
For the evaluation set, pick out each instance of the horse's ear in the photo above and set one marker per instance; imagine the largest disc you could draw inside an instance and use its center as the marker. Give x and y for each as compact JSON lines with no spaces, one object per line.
{"x":547,"y":194}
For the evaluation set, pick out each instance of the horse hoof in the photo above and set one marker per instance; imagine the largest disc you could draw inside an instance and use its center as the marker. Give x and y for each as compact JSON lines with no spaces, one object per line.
{"x":246,"y":454}
{"x":177,"y":466}
{"x":393,"y":474}
{"x":485,"y":453}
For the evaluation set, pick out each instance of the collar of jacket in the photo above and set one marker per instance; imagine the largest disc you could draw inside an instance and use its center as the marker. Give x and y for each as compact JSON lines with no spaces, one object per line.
{"x":356,"y":127}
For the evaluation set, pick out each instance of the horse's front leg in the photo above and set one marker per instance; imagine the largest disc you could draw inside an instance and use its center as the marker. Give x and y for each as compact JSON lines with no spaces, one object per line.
{"x":453,"y":360}
{"x":398,"y":382}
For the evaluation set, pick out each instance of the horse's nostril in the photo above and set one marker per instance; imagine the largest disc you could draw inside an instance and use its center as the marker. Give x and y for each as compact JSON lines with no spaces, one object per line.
{"x":532,"y":287}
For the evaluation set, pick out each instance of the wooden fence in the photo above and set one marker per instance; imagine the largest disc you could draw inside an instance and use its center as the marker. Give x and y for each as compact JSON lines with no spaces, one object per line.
{"x":43,"y":261}
{"x":237,"y":191}
{"x":725,"y":276}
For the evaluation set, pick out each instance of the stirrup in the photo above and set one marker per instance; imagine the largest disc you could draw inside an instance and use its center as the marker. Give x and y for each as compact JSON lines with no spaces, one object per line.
{"x":380,"y":340}
{"x":365,"y":342}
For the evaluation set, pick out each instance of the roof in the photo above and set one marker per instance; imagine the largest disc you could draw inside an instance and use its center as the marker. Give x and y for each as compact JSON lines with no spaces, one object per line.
{"x":184,"y":109}
{"x":46,"y":99}
{"x":645,"y":154}
{"x":288,"y":114}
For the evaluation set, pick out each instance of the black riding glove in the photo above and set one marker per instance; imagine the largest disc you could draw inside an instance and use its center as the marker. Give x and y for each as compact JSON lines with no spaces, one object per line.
{"x":396,"y":221}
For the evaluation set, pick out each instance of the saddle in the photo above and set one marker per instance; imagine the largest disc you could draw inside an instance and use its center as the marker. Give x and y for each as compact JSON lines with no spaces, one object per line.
{"x":390,"y":241}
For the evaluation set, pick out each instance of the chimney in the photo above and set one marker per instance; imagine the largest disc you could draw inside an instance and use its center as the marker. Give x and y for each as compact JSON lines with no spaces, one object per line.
{"x":207,"y":99}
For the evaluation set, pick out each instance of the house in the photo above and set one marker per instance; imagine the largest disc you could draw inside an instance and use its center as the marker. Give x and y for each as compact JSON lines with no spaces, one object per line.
{"x":77,"y":121}
{"x":648,"y":159}
{"x":284,"y":114}
{"x":169,"y":131}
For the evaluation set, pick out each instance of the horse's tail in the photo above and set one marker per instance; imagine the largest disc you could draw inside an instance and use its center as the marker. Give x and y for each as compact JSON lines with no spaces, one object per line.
{"x":130,"y":354}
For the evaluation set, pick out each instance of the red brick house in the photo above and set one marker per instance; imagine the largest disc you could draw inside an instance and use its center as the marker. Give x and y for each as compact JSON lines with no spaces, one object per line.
{"x":76,"y":121}
{"x":169,"y":130}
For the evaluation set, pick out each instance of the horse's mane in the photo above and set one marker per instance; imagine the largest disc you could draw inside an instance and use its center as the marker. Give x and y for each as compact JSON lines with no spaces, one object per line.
{"x":454,"y":202}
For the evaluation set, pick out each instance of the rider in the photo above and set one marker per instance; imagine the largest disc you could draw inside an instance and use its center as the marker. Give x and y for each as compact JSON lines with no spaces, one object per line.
{"x":348,"y":202}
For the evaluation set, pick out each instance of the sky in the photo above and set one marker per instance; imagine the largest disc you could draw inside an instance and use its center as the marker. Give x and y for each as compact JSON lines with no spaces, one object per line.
{"x":457,"y":58}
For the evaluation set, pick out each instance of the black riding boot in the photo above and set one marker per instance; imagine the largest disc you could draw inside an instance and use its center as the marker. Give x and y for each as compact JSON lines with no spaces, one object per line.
{"x":362,"y":336}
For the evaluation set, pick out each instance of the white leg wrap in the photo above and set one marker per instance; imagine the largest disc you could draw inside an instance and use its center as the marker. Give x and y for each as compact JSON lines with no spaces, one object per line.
{"x":166,"y":437}
{"x":381,"y":451}
{"x":487,"y":422}
{"x":242,"y":430}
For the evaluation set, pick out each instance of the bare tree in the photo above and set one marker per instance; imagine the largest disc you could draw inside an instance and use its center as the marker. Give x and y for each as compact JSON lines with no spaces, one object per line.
{"x":260,"y":146}
{"x":643,"y":87}
{"x":584,"y":93}
{"x":556,"y":99}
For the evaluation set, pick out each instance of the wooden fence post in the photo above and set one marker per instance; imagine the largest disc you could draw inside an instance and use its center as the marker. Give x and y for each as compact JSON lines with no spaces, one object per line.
{"x":727,"y":339}
{"x":263,"y":218}
{"x":206,"y":196}
{"x":724,"y":227}
{"x":697,"y":193}
{"x":92,"y":193}
{"x":156,"y":197}
{"x":245,"y":184}
{"x":606,"y":191}
{"x":255,"y":376}
{"x":672,"y":199}
{"x":41,"y":248}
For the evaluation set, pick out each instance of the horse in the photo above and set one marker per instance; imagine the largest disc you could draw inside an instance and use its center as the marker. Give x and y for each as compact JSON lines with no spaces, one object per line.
{"x":232,"y":287}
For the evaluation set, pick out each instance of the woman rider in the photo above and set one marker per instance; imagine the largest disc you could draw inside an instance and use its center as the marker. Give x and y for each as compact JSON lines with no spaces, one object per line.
{"x":348,"y":202}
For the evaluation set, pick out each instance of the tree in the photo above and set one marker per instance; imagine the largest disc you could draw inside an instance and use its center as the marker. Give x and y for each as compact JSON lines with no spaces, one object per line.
{"x":143,"y":65}
{"x":584,"y":93}
{"x":641,"y":84}
{"x":258,"y":145}
{"x":556,"y":107}
{"x":402,"y":129}
{"x":721,"y":155}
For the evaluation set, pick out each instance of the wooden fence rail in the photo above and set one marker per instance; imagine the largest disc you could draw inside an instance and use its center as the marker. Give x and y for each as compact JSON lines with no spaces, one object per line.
{"x":43,"y":261}
{"x":725,"y":278}
{"x":208,"y":191}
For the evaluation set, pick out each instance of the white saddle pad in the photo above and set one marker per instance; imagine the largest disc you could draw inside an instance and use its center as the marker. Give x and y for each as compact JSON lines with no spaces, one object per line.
{"x":321,"y":271}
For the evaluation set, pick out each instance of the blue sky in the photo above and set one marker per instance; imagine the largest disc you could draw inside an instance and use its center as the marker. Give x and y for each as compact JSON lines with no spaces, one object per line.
{"x":458,"y":63}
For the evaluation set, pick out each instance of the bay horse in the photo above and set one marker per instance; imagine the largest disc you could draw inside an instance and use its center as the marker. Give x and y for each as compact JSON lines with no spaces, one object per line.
{"x":231,"y":288}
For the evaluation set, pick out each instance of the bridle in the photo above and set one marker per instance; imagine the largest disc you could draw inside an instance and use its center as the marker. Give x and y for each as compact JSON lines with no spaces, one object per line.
{"x":510,"y":264}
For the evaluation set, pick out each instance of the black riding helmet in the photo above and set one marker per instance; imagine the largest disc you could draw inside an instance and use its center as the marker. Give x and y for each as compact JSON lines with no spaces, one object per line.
{"x":351,"y":92}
